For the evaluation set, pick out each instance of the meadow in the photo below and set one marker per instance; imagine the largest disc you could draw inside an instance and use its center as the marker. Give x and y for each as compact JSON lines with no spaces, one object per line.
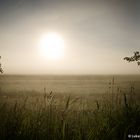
{"x":91,"y":107}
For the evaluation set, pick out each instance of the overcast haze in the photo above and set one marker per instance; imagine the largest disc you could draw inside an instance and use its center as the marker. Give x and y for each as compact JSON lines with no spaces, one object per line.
{"x":97,"y":36}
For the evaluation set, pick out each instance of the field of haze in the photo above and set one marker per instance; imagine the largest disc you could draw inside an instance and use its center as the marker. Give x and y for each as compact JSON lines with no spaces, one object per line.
{"x":68,"y":84}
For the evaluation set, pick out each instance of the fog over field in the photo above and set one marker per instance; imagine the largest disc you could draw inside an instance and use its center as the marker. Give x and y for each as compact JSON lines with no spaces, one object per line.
{"x":69,"y":69}
{"x":68,"y":84}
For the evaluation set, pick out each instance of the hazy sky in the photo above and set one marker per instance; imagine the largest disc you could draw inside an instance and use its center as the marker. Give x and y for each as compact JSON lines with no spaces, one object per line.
{"x":97,"y":35}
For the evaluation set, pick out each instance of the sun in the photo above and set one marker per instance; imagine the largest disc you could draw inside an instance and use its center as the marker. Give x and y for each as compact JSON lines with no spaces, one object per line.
{"x":51,"y":46}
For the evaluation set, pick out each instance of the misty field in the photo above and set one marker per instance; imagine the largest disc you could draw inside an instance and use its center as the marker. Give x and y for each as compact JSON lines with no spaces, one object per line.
{"x":69,"y":107}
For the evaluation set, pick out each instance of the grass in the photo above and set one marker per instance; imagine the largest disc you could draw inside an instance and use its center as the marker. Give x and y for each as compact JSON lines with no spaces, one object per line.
{"x":49,"y":117}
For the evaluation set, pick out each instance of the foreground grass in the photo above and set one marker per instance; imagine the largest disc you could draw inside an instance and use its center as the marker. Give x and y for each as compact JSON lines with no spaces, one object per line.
{"x":48,"y":118}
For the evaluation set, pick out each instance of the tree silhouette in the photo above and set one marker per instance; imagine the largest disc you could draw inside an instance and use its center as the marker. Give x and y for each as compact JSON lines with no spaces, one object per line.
{"x":135,"y":57}
{"x":1,"y":70}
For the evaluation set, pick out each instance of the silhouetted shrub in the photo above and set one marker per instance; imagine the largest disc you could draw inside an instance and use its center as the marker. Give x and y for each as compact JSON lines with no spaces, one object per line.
{"x":1,"y":70}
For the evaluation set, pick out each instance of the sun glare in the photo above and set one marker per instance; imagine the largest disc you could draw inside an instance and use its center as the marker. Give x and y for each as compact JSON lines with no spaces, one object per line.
{"x":51,"y":46}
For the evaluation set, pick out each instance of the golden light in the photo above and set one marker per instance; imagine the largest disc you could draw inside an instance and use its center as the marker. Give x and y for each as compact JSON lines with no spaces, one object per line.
{"x":51,"y":46}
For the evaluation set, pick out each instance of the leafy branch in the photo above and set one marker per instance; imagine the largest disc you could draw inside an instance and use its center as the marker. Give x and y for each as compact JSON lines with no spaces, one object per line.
{"x":135,"y":57}
{"x":1,"y":70}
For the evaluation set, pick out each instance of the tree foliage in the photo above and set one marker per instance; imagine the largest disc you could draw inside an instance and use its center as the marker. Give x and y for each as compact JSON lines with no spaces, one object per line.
{"x":135,"y":57}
